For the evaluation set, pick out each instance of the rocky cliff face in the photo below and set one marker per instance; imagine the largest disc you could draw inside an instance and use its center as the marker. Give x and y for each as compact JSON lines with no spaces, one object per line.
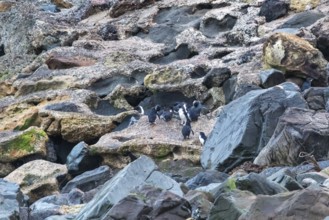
{"x":73,"y":138}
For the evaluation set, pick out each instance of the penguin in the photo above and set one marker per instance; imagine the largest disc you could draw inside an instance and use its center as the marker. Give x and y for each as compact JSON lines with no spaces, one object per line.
{"x":187,"y":129}
{"x":182,"y":112}
{"x":167,"y":115}
{"x":130,"y":155}
{"x":195,"y":111}
{"x":152,"y":115}
{"x":135,"y":118}
{"x":202,"y":138}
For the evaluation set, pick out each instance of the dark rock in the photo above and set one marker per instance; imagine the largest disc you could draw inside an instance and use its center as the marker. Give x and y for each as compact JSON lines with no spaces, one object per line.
{"x":139,"y":172}
{"x":271,"y":77}
{"x":241,"y":90}
{"x":229,"y":89}
{"x":303,"y":204}
{"x":273,"y":9}
{"x":316,"y":97}
{"x":11,"y":199}
{"x":298,"y":130}
{"x":58,"y":62}
{"x":160,"y":204}
{"x":200,"y":202}
{"x":89,"y":180}
{"x":79,"y":160}
{"x":246,"y":57}
{"x":64,"y":107}
{"x":121,"y":7}
{"x":205,"y":178}
{"x":230,"y":205}
{"x":211,"y":27}
{"x":244,"y":127}
{"x":108,"y":32}
{"x":302,"y":19}
{"x":258,"y":184}
{"x":321,"y":32}
{"x":49,"y":8}
{"x":286,"y":178}
{"x":216,"y":77}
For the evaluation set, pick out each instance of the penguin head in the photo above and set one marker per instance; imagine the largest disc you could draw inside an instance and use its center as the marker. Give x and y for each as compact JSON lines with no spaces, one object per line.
{"x":157,"y":108}
{"x":196,"y":103}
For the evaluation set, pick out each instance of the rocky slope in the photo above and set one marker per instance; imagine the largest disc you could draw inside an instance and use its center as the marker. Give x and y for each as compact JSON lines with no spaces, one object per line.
{"x":73,"y":144}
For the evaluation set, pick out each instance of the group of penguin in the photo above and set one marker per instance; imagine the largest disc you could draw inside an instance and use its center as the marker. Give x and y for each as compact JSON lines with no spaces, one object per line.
{"x":184,"y":113}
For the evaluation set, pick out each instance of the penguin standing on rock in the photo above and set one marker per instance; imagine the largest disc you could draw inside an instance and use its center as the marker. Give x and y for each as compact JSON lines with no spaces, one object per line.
{"x":182,"y":112}
{"x":135,"y":118}
{"x":187,"y":129}
{"x":167,"y":115}
{"x":202,"y":138}
{"x":152,"y":115}
{"x":195,"y":111}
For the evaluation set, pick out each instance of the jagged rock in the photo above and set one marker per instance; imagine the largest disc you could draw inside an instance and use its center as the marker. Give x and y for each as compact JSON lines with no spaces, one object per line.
{"x":11,"y":200}
{"x":206,"y":178}
{"x":121,"y":7}
{"x":231,"y":205}
{"x":286,"y":178}
{"x":303,"y":204}
{"x":200,"y":202}
{"x":271,"y":77}
{"x":17,"y":145}
{"x":273,"y":9}
{"x":37,"y":178}
{"x":160,"y":204}
{"x":295,"y":56}
{"x":302,"y":5}
{"x":302,"y":19}
{"x":321,"y":31}
{"x":316,"y":98}
{"x":216,"y":77}
{"x":297,"y":130}
{"x":139,"y":172}
{"x":55,"y":205}
{"x":89,"y":179}
{"x":163,"y":140}
{"x":80,"y":159}
{"x":256,"y":115}
{"x":258,"y":184}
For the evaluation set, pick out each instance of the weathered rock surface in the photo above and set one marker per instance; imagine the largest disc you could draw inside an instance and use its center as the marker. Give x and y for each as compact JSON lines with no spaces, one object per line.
{"x":297,"y":130}
{"x":290,"y":205}
{"x":295,"y":56}
{"x":139,"y":172}
{"x":316,"y":98}
{"x":205,"y":178}
{"x":19,"y":144}
{"x":231,"y":205}
{"x":272,"y":9}
{"x":38,"y":178}
{"x":11,"y":200}
{"x":162,"y":140}
{"x":245,"y":125}
{"x":160,"y":204}
{"x":200,"y":202}
{"x":271,"y":77}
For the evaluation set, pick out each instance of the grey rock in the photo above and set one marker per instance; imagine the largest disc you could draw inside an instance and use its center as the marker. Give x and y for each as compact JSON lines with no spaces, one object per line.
{"x":316,"y":97}
{"x":290,"y":86}
{"x":11,"y":199}
{"x":302,"y":19}
{"x":135,"y":174}
{"x":205,"y":178}
{"x":230,"y":205}
{"x":286,"y":178}
{"x":211,"y":188}
{"x":160,"y":204}
{"x":321,"y":30}
{"x":216,"y":77}
{"x":302,"y":204}
{"x":298,"y":130}
{"x":245,"y":125}
{"x":258,"y":184}
{"x":271,"y":77}
{"x":89,"y":179}
{"x":200,"y":202}
{"x":318,"y":177}
{"x":273,"y":9}
{"x":243,"y":89}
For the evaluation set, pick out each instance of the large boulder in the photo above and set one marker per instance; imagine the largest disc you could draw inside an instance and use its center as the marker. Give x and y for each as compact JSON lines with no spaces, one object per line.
{"x":321,"y":31}
{"x":245,"y":125}
{"x":317,"y":97}
{"x":38,"y":178}
{"x":20,"y":144}
{"x":11,"y":200}
{"x":303,"y":204}
{"x":160,"y":204}
{"x":140,"y":172}
{"x":297,"y":130}
{"x":295,"y":56}
{"x":273,"y":9}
